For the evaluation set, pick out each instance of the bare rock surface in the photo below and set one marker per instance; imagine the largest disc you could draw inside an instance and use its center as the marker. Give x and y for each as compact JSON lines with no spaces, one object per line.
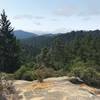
{"x":55,"y":89}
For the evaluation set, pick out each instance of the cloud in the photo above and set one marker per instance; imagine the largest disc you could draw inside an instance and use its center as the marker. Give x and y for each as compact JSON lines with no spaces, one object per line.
{"x":90,"y":12}
{"x":67,"y":10}
{"x":54,"y":20}
{"x":62,"y":30}
{"x":84,"y":8}
{"x":92,"y":8}
{"x":25,"y":16}
{"x":37,"y":23}
{"x":39,"y":17}
{"x":28,"y":17}
{"x":86,"y":18}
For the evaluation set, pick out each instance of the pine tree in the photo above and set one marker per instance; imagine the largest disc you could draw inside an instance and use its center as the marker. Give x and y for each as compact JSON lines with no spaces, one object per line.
{"x":42,"y":58}
{"x":9,"y":48}
{"x":58,"y":53}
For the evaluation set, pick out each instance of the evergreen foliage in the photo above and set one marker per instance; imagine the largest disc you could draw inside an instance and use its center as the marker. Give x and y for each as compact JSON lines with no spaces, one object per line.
{"x":9,"y":48}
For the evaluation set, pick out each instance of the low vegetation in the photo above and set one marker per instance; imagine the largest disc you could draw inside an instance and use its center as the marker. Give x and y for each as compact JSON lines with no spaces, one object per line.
{"x":7,"y":89}
{"x":86,"y":73}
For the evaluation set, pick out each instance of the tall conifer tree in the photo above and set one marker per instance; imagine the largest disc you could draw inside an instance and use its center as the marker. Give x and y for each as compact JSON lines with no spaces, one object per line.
{"x":9,"y":48}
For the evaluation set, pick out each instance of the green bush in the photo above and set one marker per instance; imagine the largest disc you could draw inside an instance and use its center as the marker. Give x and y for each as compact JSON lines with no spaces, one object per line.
{"x":59,"y":73}
{"x":20,"y":72}
{"x":28,"y":75}
{"x":30,"y":65}
{"x":91,"y":76}
{"x":88,"y":74}
{"x":24,"y":73}
{"x":11,"y":76}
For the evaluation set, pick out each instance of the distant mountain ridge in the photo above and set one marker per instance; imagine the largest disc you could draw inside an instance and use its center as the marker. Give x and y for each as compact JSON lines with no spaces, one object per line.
{"x":20,"y":34}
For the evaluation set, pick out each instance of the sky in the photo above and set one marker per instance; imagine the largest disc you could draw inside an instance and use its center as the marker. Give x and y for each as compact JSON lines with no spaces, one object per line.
{"x":52,"y":16}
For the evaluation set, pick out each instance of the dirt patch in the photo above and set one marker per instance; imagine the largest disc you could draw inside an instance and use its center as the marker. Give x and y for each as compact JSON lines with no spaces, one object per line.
{"x":39,"y":86}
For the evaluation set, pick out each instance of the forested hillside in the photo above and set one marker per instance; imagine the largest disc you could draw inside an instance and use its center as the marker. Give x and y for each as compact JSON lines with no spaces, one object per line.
{"x":32,"y":46}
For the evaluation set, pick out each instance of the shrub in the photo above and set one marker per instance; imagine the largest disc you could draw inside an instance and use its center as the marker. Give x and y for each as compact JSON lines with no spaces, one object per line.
{"x":44,"y":72}
{"x":28,"y":75}
{"x":11,"y":76}
{"x":48,"y":72}
{"x":30,"y":65}
{"x":20,"y":72}
{"x":59,"y":73}
{"x":91,"y":77}
{"x":40,"y":74}
{"x":25,"y":73}
{"x":7,"y":89}
{"x":88,"y":74}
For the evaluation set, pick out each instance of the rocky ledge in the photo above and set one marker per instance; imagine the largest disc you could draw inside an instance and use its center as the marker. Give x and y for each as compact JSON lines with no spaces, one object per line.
{"x":56,"y":89}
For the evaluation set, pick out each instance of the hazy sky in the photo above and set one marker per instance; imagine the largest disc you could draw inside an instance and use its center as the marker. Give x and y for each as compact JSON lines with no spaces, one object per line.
{"x":53,"y":15}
